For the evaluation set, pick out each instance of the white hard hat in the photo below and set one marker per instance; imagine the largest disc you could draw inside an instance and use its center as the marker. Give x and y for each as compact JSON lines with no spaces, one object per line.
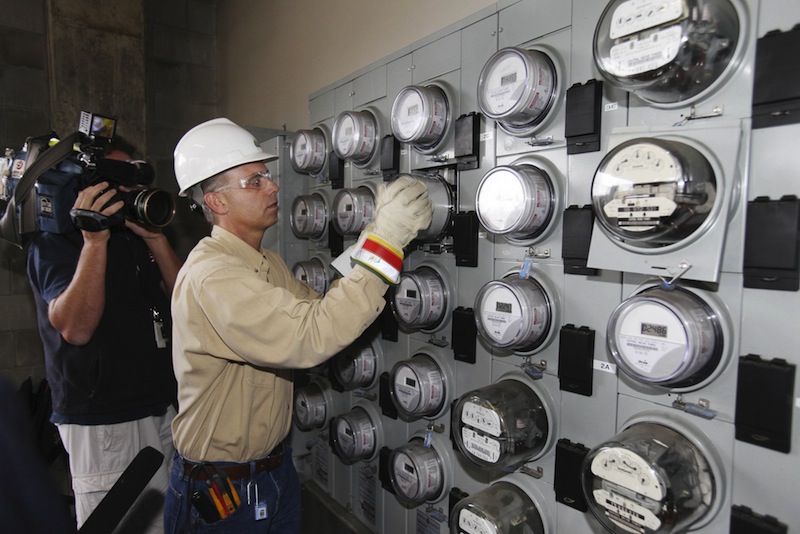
{"x":212,"y":147}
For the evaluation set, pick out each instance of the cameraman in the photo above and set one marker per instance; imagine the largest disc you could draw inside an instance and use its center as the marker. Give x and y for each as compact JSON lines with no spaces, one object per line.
{"x":99,"y":296}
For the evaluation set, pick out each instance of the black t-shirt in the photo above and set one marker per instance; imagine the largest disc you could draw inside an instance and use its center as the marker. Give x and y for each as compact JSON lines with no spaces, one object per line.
{"x":121,"y":374}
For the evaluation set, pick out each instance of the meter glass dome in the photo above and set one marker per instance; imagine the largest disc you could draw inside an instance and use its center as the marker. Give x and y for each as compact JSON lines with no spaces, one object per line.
{"x":650,"y":478}
{"x":418,"y":387}
{"x":354,"y":436}
{"x":355,"y":135}
{"x":310,"y":407}
{"x":501,"y":424}
{"x":309,"y":216}
{"x":308,"y":151}
{"x":313,"y":272}
{"x":650,"y":193}
{"x":515,"y":201}
{"x":667,"y":53}
{"x":356,"y":366}
{"x":517,"y":88}
{"x":420,"y":116}
{"x":416,"y":472}
{"x":420,"y":299}
{"x":500,"y":508}
{"x":663,"y":337}
{"x":513,"y":313}
{"x":353,"y":209}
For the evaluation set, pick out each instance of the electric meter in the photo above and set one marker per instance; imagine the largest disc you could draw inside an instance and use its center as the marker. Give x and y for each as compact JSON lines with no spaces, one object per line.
{"x":419,"y":387}
{"x":353,"y":209}
{"x":666,"y":51}
{"x":308,"y":151}
{"x":356,"y":434}
{"x":418,"y":472}
{"x":516,"y":201}
{"x":313,"y":272}
{"x":650,"y":192}
{"x":502,"y":508}
{"x":649,"y":478}
{"x":309,"y":217}
{"x":420,"y":116}
{"x":355,"y":136}
{"x":517,"y":88}
{"x":420,"y":299}
{"x":665,"y":337}
{"x":356,"y":366}
{"x":441,"y":196}
{"x":311,"y":404}
{"x":514,"y":313}
{"x":501,"y":424}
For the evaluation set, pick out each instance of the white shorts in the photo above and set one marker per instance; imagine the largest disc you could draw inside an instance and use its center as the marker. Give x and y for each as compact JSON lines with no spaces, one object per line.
{"x":98,"y":454}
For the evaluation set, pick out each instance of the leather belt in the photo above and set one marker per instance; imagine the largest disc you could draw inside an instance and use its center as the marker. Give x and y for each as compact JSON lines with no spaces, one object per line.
{"x":238,"y":471}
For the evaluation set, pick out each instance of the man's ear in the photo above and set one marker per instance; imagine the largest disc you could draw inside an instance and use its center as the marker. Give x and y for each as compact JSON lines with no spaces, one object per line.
{"x":216,"y":202}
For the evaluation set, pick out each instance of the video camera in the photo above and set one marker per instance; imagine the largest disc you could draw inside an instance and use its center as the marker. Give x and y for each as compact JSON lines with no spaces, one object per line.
{"x":41,"y":182}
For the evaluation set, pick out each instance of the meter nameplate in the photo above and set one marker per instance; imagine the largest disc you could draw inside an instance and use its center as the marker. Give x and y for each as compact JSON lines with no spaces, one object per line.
{"x":472,"y":523}
{"x":505,"y":84}
{"x":407,"y":388}
{"x":652,"y":339}
{"x":637,"y":15}
{"x":480,"y":446}
{"x":405,"y":475}
{"x":629,"y":470}
{"x":484,"y":419}
{"x":501,"y":315}
{"x":643,"y":55}
{"x":408,"y":300}
{"x":364,"y":366}
{"x":625,"y":513}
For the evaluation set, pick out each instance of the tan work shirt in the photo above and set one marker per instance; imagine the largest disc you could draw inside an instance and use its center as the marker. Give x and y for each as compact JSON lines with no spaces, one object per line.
{"x":241,"y":322}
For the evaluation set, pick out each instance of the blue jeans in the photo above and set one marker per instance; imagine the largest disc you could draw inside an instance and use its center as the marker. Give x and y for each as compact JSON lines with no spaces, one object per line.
{"x":278,"y":490}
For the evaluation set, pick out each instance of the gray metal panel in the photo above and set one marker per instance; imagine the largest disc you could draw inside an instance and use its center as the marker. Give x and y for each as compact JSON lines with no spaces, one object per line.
{"x":531,"y":19}
{"x":322,"y":107}
{"x":478,"y":43}
{"x":370,"y":86}
{"x":778,"y":15}
{"x":343,"y":98}
{"x":437,"y":58}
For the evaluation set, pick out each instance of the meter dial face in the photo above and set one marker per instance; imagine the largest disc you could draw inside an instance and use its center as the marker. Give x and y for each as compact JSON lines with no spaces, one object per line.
{"x":515,"y":201}
{"x":420,"y":115}
{"x":666,"y":51}
{"x":353,"y":209}
{"x":308,"y":151}
{"x":513,"y":313}
{"x":313,"y":273}
{"x":665,"y":337}
{"x":649,"y":478}
{"x":500,"y":508}
{"x":517,"y":88}
{"x":420,"y":299}
{"x":355,"y":136}
{"x":310,"y":407}
{"x":417,"y":473}
{"x":418,"y":387}
{"x":651,"y":193}
{"x":354,"y":435}
{"x":500,"y":424}
{"x":356,"y":366}
{"x":309,"y":216}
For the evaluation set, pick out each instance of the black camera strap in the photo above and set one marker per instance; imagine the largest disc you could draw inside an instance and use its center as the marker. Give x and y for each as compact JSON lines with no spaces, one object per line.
{"x":9,"y":230}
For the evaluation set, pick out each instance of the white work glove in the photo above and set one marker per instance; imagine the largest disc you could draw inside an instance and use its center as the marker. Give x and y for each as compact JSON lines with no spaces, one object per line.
{"x":402,"y":209}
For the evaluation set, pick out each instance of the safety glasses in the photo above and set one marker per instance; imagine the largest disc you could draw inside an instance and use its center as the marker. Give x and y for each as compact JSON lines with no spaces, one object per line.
{"x":257,"y":180}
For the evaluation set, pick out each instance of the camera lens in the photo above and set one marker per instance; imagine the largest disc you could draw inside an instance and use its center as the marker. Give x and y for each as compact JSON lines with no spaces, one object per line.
{"x":151,"y":206}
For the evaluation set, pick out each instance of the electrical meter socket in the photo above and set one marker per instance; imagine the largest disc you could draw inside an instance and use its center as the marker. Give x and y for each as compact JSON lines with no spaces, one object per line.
{"x":355,"y":136}
{"x":511,"y":504}
{"x":358,"y":365}
{"x":309,"y":217}
{"x":507,"y":423}
{"x":442,"y":197}
{"x":423,"y":298}
{"x":313,"y":272}
{"x":421,"y":386}
{"x":650,"y":192}
{"x":357,"y":435}
{"x":658,"y":475}
{"x":519,"y":87}
{"x":519,"y":201}
{"x":421,"y":116}
{"x":671,"y":337}
{"x":517,"y":314}
{"x":312,"y":403}
{"x":672,"y":52}
{"x":308,"y":151}
{"x":421,"y":470}
{"x":353,"y":209}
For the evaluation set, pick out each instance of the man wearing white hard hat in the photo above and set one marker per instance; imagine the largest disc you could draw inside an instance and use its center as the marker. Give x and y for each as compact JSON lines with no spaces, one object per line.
{"x":242,"y":321}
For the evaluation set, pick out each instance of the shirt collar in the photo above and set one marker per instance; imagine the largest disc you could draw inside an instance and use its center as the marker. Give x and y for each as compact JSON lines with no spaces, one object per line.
{"x":252,"y":257}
